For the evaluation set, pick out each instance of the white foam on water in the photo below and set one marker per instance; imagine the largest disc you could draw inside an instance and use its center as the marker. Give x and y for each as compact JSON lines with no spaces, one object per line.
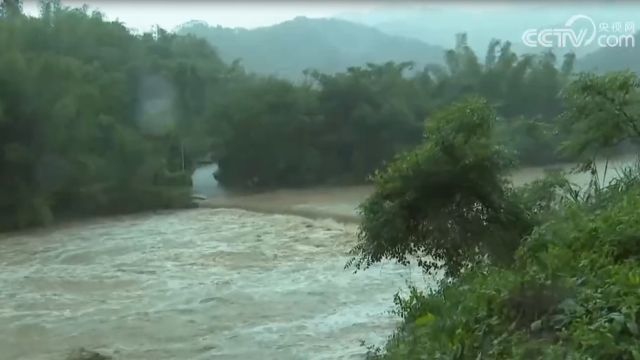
{"x":197,"y":284}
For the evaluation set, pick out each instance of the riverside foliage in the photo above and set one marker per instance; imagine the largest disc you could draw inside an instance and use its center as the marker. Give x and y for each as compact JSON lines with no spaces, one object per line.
{"x":96,"y":119}
{"x":565,"y":285}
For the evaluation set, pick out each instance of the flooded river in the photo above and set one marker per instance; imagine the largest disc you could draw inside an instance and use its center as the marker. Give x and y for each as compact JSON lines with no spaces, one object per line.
{"x":196,"y":284}
{"x":201,"y":284}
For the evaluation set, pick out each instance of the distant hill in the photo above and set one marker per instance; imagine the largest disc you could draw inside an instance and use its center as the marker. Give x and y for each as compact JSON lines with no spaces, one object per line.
{"x":612,"y":59}
{"x":327,"y":45}
{"x":437,"y":22}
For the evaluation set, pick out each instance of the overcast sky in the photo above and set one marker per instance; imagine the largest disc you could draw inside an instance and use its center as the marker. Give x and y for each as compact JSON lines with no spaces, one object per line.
{"x":432,"y":21}
{"x":142,"y":15}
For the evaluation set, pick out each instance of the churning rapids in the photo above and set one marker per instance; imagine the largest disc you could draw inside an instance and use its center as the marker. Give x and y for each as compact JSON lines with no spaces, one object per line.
{"x":195,"y":284}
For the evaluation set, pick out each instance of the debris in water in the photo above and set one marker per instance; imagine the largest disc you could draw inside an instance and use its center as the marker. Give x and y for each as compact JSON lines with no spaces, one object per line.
{"x":84,"y":354}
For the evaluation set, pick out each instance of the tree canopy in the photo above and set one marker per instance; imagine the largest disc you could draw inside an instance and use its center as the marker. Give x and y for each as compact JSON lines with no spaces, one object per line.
{"x":569,"y":291}
{"x":361,"y":118}
{"x":92,"y":117}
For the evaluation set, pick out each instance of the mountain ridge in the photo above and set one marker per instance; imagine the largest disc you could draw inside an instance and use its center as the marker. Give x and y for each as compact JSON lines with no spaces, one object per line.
{"x":326,"y":44}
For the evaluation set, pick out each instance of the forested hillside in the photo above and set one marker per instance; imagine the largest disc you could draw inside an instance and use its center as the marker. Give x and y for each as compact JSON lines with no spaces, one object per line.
{"x":95,"y":119}
{"x":327,"y":45}
{"x":92,"y":118}
{"x":340,"y":128}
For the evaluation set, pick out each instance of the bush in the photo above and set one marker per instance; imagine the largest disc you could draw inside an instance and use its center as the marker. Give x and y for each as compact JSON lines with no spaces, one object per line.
{"x":571,"y":291}
{"x":571,"y":294}
{"x":448,"y":203}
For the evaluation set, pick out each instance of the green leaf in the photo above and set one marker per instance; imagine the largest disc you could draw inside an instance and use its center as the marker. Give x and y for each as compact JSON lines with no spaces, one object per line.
{"x":425,"y":320}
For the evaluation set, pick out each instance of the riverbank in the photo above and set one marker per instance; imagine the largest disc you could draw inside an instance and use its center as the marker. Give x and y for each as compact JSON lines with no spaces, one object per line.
{"x":341,"y":203}
{"x":203,"y":283}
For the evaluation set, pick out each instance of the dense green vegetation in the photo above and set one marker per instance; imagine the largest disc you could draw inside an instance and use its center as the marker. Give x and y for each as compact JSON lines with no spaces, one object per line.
{"x":547,"y":271}
{"x":92,"y":117}
{"x":342,"y":127}
{"x":95,"y":119}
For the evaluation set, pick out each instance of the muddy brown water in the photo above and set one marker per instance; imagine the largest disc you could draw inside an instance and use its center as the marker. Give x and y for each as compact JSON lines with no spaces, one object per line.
{"x":196,"y":284}
{"x":208,"y":283}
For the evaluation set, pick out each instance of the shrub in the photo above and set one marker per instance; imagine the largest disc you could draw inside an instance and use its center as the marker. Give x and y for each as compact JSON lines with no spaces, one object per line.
{"x":448,"y":202}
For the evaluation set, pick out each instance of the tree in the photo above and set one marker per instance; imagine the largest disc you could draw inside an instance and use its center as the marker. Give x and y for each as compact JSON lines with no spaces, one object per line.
{"x":10,"y":9}
{"x":76,"y":114}
{"x":602,"y":113}
{"x":367,"y":114}
{"x":570,"y":291}
{"x":447,"y":202}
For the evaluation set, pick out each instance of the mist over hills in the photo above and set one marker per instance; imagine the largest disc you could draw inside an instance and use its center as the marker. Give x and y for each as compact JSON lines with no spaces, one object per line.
{"x":327,"y":45}
{"x":331,"y":45}
{"x":612,"y":59}
{"x":436,"y":23}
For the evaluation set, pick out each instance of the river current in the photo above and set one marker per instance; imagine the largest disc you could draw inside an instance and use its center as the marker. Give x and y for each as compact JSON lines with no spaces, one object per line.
{"x":208,"y":283}
{"x":196,"y":284}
